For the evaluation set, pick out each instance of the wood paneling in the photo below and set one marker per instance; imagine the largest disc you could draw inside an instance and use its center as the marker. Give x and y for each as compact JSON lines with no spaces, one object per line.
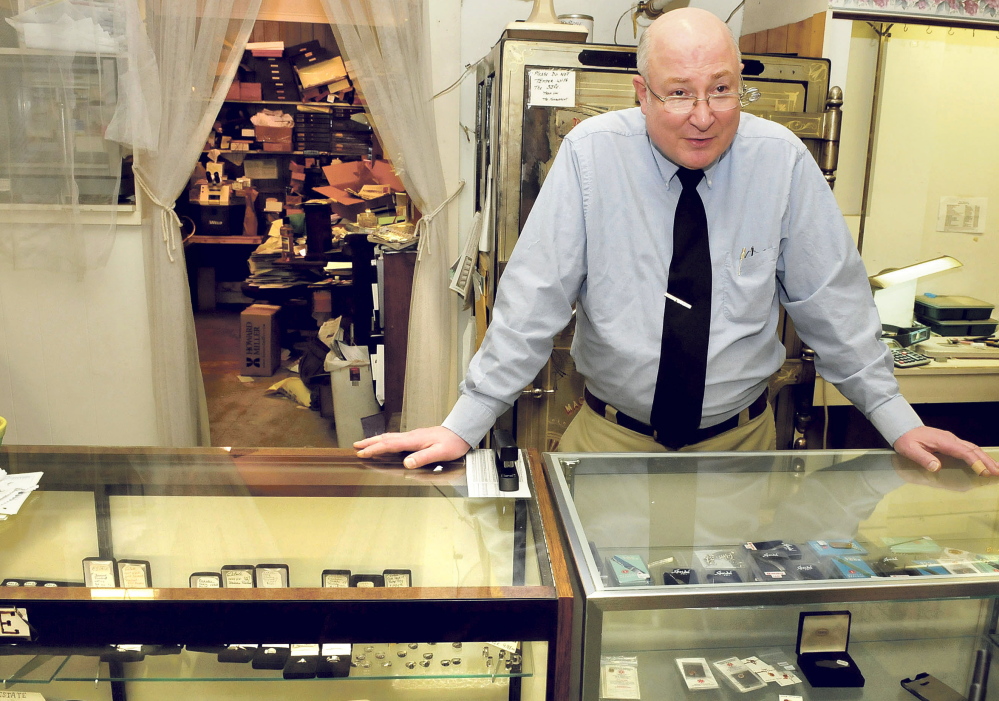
{"x":799,"y":39}
{"x":292,"y":33}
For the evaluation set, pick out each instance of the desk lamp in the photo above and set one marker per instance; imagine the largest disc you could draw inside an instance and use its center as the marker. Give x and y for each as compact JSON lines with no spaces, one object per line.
{"x":895,"y":288}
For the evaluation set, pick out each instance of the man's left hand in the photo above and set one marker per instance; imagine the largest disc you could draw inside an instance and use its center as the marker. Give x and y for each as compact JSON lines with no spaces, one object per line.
{"x":922,"y":444}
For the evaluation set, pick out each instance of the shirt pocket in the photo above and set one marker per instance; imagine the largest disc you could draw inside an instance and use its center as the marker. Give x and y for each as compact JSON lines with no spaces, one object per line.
{"x":749,"y":285}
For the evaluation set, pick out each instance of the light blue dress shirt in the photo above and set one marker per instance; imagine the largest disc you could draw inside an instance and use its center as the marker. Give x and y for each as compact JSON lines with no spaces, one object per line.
{"x":599,"y":237}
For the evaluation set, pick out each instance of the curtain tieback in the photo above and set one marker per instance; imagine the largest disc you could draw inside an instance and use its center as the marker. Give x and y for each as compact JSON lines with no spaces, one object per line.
{"x":167,"y":212}
{"x":422,"y":226}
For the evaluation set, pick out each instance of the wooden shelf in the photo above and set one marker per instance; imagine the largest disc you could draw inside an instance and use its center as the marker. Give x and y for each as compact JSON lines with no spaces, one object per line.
{"x":340,"y":105}
{"x":258,"y":152}
{"x":231,"y":240}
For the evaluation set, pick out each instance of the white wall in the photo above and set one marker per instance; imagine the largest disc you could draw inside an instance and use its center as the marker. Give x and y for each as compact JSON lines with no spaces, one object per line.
{"x":937,"y":138}
{"x":74,"y":354}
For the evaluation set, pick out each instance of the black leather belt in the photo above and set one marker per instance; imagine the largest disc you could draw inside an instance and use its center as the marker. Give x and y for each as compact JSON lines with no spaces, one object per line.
{"x":701,"y":434}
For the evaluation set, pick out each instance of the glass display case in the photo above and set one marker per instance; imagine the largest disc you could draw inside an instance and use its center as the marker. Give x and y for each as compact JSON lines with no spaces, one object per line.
{"x":702,"y":571}
{"x":207,"y":573}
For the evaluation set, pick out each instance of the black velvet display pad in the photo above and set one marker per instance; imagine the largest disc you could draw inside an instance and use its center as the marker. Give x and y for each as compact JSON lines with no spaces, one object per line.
{"x":830,"y":669}
{"x":267,"y":657}
{"x":300,"y":667}
{"x":331,"y":666}
{"x":237,"y":654}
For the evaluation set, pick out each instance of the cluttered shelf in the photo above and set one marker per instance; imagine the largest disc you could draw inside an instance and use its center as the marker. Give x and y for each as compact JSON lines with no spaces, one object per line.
{"x":231,"y":240}
{"x":340,"y":105}
{"x":330,"y":271}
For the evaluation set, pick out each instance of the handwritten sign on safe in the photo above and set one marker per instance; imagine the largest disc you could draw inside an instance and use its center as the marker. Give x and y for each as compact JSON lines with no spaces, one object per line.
{"x":552,"y":87}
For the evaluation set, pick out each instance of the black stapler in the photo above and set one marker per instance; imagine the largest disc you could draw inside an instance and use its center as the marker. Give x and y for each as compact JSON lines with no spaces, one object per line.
{"x":507,"y":453}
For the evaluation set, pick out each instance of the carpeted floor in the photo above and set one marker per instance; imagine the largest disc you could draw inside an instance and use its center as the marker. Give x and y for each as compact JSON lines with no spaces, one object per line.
{"x":243,"y":414}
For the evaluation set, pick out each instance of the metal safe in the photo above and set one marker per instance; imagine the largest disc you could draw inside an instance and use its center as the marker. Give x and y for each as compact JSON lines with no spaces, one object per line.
{"x":529,"y":95}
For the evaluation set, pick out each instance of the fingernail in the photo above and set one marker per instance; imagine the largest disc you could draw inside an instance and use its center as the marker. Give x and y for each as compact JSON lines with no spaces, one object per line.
{"x":979,"y":467}
{"x":410,"y":463}
{"x":933,"y":466}
{"x":362,"y":453}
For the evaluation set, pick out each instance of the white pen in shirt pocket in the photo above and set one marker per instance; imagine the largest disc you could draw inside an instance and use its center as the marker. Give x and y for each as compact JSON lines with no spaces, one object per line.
{"x":746,"y":253}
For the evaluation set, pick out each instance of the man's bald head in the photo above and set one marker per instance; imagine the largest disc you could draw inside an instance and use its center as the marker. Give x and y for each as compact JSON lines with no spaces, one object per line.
{"x":689,"y":25}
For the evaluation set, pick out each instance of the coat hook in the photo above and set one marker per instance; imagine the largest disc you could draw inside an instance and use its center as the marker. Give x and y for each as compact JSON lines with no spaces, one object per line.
{"x":950,"y":31}
{"x":929,"y":30}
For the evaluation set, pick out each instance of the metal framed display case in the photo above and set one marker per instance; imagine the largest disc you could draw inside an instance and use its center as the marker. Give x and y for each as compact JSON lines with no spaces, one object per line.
{"x":340,"y":579}
{"x":707,"y":557}
{"x":533,"y":93}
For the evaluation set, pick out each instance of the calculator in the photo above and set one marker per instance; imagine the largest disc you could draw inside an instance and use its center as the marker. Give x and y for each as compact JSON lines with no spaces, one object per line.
{"x":905,"y":358}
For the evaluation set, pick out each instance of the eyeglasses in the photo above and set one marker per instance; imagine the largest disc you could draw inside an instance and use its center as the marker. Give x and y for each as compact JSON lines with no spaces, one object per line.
{"x":719,"y":102}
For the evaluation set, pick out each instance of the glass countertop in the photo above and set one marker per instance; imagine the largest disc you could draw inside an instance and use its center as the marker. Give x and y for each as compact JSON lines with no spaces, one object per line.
{"x":673,"y":522}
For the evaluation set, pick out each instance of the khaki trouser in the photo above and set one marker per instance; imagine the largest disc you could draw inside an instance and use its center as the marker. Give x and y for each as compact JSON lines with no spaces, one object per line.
{"x":592,"y":433}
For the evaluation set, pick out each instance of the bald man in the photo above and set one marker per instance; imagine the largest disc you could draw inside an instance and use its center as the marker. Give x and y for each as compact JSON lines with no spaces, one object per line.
{"x":599,"y":240}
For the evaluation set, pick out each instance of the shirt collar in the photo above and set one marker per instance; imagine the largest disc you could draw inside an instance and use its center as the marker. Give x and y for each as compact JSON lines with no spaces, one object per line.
{"x":668,"y":168}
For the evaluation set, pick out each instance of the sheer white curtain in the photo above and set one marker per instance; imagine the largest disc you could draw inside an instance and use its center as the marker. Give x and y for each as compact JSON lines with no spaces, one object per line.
{"x":182,"y":56}
{"x":388,"y":47}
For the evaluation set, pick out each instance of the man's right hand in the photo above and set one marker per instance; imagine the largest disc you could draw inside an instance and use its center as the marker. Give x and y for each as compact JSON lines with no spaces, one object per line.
{"x":427,"y":445}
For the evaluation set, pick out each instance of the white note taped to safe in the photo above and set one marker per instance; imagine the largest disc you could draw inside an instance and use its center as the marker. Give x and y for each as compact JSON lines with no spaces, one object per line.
{"x":551,"y":87}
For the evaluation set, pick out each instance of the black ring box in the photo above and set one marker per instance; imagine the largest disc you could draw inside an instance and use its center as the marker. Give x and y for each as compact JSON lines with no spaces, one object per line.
{"x":823,"y":640}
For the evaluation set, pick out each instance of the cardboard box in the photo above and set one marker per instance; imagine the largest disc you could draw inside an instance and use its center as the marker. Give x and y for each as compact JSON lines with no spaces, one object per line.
{"x":274,"y":138}
{"x":260,"y":340}
{"x":272,"y":134}
{"x":306,"y":53}
{"x":355,"y":175}
{"x":250,"y":91}
{"x":221,"y":219}
{"x":331,"y":72}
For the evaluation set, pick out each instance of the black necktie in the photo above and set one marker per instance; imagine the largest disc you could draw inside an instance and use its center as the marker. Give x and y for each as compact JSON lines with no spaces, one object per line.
{"x":676,"y":408}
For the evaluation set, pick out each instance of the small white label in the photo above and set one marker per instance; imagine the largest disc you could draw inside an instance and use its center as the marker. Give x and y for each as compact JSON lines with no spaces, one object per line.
{"x":336,"y":581}
{"x":132,"y":576}
{"x":238,"y":579}
{"x":397,"y":580}
{"x":101,"y":573}
{"x":620,"y":682}
{"x":14,"y":624}
{"x":270,"y":578}
{"x":552,"y":87}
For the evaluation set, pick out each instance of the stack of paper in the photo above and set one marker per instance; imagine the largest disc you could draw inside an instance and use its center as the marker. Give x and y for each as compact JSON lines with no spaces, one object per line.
{"x":273,"y":49}
{"x":14,"y":489}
